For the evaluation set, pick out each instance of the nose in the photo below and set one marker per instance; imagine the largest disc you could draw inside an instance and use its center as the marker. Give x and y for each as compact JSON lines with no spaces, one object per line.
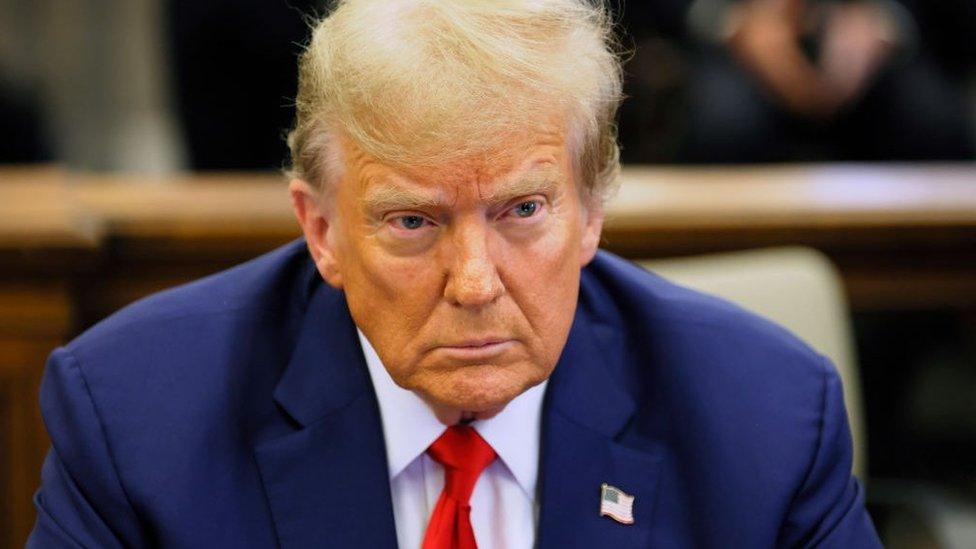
{"x":472,"y":279}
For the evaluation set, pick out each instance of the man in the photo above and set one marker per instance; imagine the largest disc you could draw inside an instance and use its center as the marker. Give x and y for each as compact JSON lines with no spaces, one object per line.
{"x":446,"y":360}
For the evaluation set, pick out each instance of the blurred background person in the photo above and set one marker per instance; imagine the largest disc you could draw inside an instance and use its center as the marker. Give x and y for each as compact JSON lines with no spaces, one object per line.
{"x":803,"y":80}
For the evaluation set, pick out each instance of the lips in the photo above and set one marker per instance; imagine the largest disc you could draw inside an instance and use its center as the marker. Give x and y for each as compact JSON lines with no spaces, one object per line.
{"x":475,"y":343}
{"x":477,"y":349}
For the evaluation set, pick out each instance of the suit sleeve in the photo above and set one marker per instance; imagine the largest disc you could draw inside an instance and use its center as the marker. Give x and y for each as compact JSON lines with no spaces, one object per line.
{"x":828,"y":510}
{"x":81,"y":501}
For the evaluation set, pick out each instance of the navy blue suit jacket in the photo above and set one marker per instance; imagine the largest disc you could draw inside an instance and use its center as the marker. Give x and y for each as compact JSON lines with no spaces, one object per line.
{"x":237,"y":411}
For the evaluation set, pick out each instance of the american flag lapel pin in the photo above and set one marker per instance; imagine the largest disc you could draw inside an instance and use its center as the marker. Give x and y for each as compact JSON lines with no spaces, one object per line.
{"x":616,"y":504}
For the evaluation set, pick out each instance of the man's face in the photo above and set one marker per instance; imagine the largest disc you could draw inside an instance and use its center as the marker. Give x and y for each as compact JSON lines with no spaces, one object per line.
{"x":463,"y":277}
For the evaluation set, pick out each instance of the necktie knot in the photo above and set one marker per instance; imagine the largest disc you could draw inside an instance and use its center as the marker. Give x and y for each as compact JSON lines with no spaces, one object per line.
{"x":464,"y":455}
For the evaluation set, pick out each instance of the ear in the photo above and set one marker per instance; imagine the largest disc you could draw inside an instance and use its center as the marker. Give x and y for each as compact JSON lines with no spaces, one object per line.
{"x":316,"y":220}
{"x":592,"y":230}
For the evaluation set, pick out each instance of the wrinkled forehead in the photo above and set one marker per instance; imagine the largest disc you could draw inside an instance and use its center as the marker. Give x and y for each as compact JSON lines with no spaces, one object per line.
{"x":526,"y":164}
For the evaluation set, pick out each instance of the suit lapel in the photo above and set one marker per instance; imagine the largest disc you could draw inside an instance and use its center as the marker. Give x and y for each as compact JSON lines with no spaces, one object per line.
{"x":327,"y":482}
{"x":585,"y":410}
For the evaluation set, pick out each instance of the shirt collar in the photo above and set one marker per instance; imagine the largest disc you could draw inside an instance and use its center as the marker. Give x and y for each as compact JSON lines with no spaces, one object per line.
{"x":410,"y":426}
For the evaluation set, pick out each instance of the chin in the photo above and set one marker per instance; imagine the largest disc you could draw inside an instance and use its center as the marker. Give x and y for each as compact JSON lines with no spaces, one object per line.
{"x":480,"y":399}
{"x":484,"y":389}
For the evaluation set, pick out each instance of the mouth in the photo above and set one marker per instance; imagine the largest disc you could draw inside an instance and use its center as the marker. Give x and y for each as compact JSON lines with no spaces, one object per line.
{"x":478,"y":349}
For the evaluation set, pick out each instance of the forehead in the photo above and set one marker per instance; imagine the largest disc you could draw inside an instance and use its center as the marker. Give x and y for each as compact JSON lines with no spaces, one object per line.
{"x":536,"y":159}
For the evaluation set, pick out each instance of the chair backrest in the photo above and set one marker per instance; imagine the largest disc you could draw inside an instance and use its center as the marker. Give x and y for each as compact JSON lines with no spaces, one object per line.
{"x":795,"y":287}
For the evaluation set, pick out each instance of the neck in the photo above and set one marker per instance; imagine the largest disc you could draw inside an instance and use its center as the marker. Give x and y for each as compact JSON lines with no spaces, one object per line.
{"x":454,"y":416}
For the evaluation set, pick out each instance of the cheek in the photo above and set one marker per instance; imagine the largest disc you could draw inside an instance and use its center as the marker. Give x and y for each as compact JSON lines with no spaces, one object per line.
{"x":543,"y":279}
{"x":555,"y":252}
{"x":399,"y":287}
{"x":390,"y":299}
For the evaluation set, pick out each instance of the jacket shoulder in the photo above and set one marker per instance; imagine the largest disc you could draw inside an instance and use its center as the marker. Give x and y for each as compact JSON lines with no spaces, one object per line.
{"x":141,"y":404}
{"x":623,"y":293}
{"x":273,"y":283}
{"x":706,"y":360}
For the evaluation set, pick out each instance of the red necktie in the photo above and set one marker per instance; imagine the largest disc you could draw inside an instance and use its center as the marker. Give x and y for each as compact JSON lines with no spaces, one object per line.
{"x":464,"y":454}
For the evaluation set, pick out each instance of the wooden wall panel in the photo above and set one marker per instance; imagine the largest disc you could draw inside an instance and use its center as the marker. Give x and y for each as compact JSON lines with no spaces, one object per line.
{"x":34,"y":318}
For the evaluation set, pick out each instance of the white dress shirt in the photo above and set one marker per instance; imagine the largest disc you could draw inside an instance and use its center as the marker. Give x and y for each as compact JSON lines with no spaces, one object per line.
{"x":503,"y":506}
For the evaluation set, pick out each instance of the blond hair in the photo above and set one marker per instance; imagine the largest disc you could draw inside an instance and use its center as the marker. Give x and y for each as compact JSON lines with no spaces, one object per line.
{"x":423,"y":82}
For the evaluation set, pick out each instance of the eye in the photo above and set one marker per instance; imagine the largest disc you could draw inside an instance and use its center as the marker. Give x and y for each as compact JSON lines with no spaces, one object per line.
{"x":526,"y":209}
{"x":410,"y":222}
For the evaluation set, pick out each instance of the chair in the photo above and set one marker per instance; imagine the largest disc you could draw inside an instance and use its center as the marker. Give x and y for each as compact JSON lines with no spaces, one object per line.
{"x":795,"y":287}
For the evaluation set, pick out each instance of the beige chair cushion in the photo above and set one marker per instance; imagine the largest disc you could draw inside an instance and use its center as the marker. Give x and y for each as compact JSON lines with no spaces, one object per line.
{"x":795,"y":287}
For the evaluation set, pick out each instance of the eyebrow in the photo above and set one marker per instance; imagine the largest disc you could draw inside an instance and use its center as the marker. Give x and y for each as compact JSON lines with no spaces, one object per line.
{"x":536,"y":184}
{"x":392,"y":196}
